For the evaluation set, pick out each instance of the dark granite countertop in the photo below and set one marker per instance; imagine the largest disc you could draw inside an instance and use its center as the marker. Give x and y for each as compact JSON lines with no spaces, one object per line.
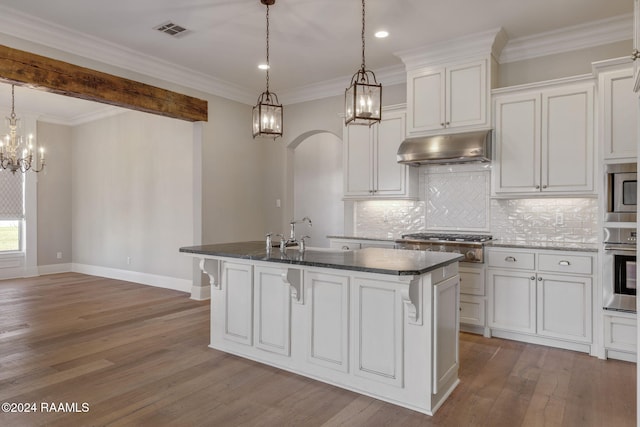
{"x":555,"y":246}
{"x":378,"y":239}
{"x":372,"y":260}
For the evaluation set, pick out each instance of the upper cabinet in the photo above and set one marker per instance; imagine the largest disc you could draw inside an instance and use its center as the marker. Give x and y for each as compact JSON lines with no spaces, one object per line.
{"x":370,"y":166}
{"x":617,"y":108}
{"x":447,"y":98}
{"x":544,"y":138}
{"x":449,"y":83}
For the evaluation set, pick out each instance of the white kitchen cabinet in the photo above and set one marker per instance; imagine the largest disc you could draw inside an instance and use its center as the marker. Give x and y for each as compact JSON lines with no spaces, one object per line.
{"x":620,"y":335}
{"x":472,"y":298}
{"x":237,"y":287}
{"x":540,"y":296}
{"x":564,"y":307}
{"x":371,"y":169}
{"x":544,"y":141}
{"x":447,"y":98}
{"x":617,"y":108}
{"x":512,"y":303}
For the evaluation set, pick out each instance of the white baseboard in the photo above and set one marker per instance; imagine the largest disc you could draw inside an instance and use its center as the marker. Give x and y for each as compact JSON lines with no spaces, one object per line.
{"x":54,"y":268}
{"x":166,"y":282}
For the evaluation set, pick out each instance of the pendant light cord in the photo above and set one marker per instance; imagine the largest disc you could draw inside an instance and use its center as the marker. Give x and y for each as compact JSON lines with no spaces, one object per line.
{"x":363,"y":65}
{"x":13,"y":102}
{"x":267,"y":49}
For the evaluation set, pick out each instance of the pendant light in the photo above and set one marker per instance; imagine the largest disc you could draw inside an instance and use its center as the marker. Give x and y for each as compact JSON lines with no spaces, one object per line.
{"x":267,"y":114}
{"x":363,"y":98}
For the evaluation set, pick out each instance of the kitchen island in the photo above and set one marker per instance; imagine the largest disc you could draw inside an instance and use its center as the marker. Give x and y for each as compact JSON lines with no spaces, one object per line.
{"x":380,"y":322}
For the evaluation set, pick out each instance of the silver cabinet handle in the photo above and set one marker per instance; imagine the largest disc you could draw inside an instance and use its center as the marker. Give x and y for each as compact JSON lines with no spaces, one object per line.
{"x":635,"y":54}
{"x":544,"y":186}
{"x":539,"y":279}
{"x":510,"y":259}
{"x":564,"y":262}
{"x":533,"y":277}
{"x":537,"y":187}
{"x":345,"y":248}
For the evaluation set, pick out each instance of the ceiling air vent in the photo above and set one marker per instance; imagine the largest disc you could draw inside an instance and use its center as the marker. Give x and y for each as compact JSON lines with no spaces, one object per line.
{"x":172,"y":29}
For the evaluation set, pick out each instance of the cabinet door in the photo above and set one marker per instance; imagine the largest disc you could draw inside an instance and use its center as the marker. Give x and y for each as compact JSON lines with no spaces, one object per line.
{"x":389,"y":175}
{"x":378,"y":324}
{"x":512,"y":302}
{"x":446,"y":327}
{"x":466,"y":95}
{"x":517,"y":137}
{"x":272,"y":311}
{"x":426,"y":100}
{"x":567,"y":139}
{"x":619,"y":112}
{"x":564,"y":307}
{"x":237,"y":287}
{"x":358,"y":158}
{"x":328,"y":323}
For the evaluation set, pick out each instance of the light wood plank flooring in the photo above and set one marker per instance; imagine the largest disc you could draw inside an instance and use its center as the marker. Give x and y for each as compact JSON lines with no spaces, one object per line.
{"x":138,"y":356}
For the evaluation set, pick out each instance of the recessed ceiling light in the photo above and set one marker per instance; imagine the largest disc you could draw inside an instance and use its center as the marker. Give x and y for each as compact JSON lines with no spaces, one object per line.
{"x":263,"y":66}
{"x":381,"y":34}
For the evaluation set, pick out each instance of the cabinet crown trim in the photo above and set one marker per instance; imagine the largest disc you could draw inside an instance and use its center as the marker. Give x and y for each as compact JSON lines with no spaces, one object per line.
{"x":485,"y":43}
{"x":579,"y":79}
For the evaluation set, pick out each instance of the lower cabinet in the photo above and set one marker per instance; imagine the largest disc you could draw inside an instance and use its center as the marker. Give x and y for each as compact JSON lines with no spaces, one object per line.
{"x":472,"y":298}
{"x":542,"y":296}
{"x":620,"y":335}
{"x":392,"y":337}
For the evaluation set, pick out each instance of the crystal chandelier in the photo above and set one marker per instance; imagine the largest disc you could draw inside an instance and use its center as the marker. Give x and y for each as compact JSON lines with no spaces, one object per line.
{"x":267,"y":114}
{"x":363,"y":98}
{"x":16,"y":152}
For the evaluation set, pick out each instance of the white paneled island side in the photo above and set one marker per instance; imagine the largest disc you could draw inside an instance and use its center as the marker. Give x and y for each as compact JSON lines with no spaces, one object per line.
{"x":380,"y":322}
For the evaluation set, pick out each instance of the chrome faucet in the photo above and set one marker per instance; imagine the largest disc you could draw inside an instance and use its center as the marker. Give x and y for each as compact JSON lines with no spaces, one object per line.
{"x":292,"y":241}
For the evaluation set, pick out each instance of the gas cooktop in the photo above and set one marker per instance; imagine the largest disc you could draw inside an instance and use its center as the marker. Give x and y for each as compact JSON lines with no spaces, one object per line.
{"x":446,"y":237}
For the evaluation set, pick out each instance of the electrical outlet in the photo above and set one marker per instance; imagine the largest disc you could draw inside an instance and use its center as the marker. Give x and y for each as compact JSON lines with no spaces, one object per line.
{"x":128,"y":260}
{"x":559,"y":218}
{"x":277,"y":203}
{"x":59,"y":255}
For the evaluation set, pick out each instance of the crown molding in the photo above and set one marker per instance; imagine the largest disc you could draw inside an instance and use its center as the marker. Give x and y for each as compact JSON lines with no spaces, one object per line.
{"x":595,"y":33}
{"x":334,"y":87}
{"x":493,"y":42}
{"x":485,"y":43}
{"x":26,"y":27}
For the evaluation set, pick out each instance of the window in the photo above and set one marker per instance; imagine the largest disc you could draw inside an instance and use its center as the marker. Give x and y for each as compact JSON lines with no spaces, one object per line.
{"x":10,"y":235}
{"x":11,"y":210}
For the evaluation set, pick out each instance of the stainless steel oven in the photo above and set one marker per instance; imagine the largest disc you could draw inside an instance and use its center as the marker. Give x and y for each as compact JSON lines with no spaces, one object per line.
{"x":619,"y":266}
{"x":622,"y":192}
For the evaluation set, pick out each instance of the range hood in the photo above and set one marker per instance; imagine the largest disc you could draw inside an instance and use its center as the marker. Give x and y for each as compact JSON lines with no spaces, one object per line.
{"x":450,"y":148}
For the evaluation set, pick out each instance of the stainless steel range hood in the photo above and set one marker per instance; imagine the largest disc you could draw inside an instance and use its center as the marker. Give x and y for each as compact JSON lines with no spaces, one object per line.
{"x":442,"y":149}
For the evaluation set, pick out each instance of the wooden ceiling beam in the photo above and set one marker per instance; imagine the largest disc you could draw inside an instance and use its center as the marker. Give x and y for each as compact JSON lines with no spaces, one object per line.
{"x":27,"y":69}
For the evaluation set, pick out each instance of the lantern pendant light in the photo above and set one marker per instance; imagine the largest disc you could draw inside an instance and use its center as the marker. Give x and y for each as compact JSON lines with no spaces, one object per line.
{"x":363,"y":98}
{"x":267,"y":114}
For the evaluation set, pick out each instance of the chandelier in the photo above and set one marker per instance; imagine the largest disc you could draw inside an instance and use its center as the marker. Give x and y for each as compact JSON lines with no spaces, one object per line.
{"x":16,"y":152}
{"x":363,"y":98}
{"x":267,"y":114}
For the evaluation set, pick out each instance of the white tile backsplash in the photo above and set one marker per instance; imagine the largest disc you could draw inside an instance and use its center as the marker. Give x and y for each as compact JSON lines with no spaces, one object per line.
{"x":537,"y":220}
{"x":456,"y":198}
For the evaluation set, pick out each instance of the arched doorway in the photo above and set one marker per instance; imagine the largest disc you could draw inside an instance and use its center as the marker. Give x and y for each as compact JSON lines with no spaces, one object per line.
{"x":317,"y":185}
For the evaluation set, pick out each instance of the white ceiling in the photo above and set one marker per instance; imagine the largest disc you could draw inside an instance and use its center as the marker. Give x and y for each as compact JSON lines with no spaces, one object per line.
{"x":312,"y":41}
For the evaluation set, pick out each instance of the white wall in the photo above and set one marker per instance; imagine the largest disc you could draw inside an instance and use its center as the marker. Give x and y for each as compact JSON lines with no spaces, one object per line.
{"x":54,"y":195}
{"x":132,"y":194}
{"x":318,"y":187}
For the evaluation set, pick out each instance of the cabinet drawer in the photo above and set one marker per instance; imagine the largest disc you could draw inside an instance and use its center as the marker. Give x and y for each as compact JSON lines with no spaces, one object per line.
{"x":507,"y":259}
{"x":472,"y":310}
{"x":472,"y":281}
{"x":576,"y":264}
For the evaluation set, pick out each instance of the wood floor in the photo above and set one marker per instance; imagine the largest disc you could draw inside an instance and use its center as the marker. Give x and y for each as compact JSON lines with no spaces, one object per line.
{"x":138,"y":356}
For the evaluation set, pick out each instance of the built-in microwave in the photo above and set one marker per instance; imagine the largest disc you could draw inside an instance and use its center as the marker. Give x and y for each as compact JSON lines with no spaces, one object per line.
{"x":622,"y":184}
